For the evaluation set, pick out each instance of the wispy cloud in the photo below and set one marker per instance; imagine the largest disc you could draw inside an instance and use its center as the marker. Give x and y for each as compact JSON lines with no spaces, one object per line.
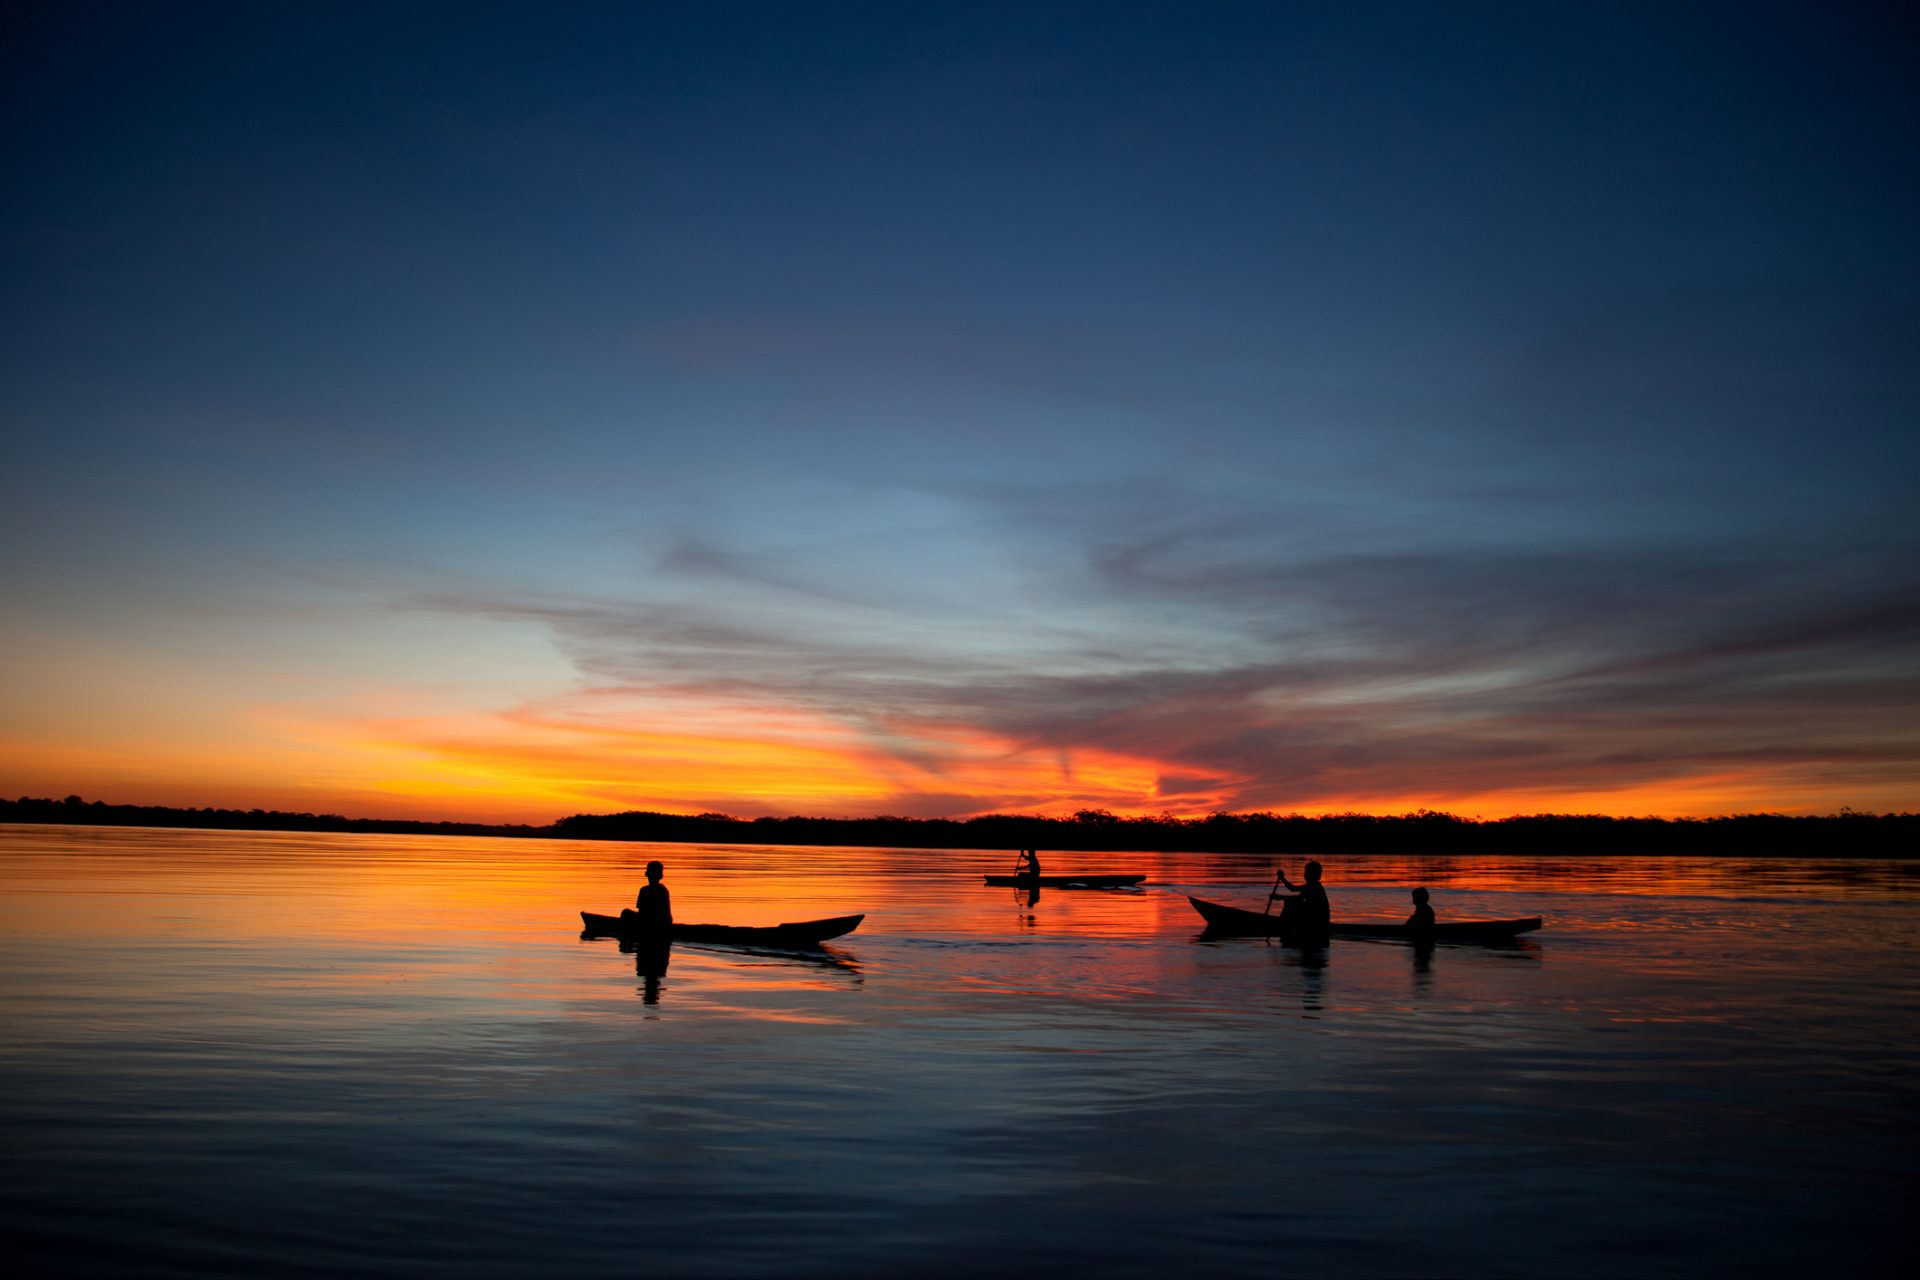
{"x":1226,"y":670}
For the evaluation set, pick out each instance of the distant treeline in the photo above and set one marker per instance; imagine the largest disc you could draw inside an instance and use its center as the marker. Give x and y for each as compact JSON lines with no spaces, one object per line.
{"x":76,"y":811}
{"x":1424,"y":832}
{"x":1846,"y":834}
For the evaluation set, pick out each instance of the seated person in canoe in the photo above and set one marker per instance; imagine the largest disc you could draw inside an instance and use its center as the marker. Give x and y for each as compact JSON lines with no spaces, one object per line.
{"x":1029,"y":864}
{"x":1420,"y":923}
{"x":1306,"y":914}
{"x":653,"y":906}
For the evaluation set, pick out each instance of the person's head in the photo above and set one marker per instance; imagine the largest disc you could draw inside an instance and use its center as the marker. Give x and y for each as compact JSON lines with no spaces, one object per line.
{"x":655,"y":871}
{"x":1313,"y":871}
{"x":1420,"y":896}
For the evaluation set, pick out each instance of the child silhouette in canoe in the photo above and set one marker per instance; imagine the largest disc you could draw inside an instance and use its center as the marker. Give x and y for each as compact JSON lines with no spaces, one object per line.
{"x":653,"y":907}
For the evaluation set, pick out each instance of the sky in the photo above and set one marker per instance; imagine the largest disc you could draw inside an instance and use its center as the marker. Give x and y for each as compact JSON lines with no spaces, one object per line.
{"x":508,"y":411}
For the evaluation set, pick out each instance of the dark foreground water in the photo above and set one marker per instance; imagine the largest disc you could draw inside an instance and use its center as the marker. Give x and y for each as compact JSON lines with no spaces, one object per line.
{"x":242,"y":1054}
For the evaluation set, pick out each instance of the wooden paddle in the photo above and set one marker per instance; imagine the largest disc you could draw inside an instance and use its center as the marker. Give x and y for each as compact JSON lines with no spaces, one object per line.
{"x":1278,"y":876}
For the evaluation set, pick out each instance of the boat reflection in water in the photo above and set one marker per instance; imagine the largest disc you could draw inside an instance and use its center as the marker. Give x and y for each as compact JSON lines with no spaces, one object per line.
{"x":651,"y":957}
{"x":1312,"y":965}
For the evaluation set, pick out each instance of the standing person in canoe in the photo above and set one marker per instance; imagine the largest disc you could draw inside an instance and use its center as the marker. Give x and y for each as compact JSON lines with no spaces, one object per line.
{"x":653,"y":906}
{"x":1306,"y":916}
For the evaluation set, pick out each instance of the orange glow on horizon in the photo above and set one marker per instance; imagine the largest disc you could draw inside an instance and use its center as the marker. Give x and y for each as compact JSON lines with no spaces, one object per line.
{"x":686,"y":753}
{"x":755,"y":762}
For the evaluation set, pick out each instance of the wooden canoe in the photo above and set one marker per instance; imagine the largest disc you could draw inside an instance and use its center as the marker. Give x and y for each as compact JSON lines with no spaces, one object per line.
{"x":798,"y":933}
{"x":1223,"y":920}
{"x":1064,"y":882}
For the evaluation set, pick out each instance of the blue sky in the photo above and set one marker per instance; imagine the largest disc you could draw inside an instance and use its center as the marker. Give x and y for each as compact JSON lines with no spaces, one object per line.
{"x":1269,"y":406}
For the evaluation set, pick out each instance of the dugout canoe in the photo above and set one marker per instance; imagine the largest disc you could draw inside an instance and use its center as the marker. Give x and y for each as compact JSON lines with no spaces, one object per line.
{"x":798,"y":933}
{"x":1064,"y":882}
{"x":1223,"y":920}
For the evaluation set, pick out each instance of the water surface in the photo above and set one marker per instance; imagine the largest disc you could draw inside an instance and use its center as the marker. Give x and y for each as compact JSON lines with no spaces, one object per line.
{"x":228,"y":1053}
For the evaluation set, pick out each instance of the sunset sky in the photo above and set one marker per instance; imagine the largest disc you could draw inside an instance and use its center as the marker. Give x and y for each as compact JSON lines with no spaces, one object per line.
{"x":513,"y":411}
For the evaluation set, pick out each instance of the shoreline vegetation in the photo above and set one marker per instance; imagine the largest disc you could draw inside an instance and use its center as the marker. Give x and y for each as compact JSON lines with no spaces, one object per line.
{"x":1845,"y":834}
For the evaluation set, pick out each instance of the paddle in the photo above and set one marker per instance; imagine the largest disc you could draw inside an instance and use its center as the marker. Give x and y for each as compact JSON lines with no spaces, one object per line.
{"x":1278,"y":877}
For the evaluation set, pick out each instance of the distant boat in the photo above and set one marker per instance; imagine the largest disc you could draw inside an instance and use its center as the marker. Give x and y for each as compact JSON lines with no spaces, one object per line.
{"x":799,"y":933}
{"x":1064,"y":882}
{"x":1239,"y":922}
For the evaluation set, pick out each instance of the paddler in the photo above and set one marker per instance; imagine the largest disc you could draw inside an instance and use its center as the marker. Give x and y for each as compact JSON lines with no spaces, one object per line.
{"x":1306,"y":917}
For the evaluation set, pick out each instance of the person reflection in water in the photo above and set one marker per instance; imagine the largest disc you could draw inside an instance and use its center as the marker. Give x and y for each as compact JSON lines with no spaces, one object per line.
{"x":1306,"y":917}
{"x":1420,"y":923}
{"x":650,"y":958}
{"x":653,"y":907}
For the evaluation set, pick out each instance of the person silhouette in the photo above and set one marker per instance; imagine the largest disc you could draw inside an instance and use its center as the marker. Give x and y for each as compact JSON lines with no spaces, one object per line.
{"x":1029,"y":867}
{"x":652,"y":906}
{"x":1306,"y":916}
{"x":1420,"y":923}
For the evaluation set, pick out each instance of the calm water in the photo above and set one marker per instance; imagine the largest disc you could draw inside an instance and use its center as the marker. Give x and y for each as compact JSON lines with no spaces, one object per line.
{"x":234,"y":1053}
